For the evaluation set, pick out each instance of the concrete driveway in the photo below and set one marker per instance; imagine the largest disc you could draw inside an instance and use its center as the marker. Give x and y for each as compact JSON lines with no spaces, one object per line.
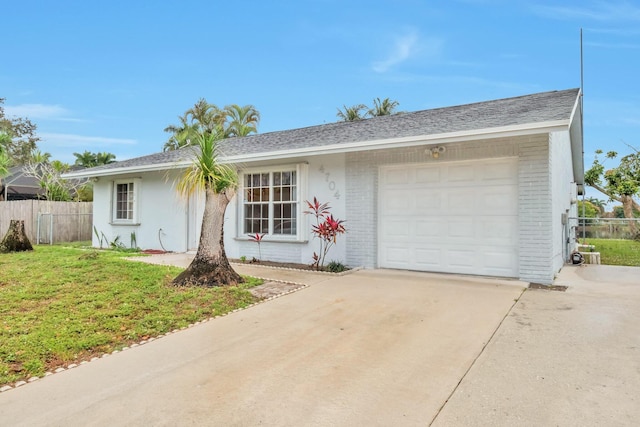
{"x":560,"y":358}
{"x":369,"y":348}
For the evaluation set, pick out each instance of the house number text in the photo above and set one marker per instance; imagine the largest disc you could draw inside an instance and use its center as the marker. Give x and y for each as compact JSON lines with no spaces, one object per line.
{"x":329,"y":181}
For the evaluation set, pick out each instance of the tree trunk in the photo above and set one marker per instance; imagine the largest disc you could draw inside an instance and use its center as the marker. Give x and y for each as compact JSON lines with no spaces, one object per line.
{"x":16,"y":239}
{"x":210,"y":267}
{"x":627,"y":208}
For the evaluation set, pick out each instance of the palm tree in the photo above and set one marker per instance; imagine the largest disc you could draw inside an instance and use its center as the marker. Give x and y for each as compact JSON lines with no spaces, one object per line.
{"x":210,"y":267}
{"x":39,"y":157}
{"x":386,"y":107}
{"x":86,"y":159}
{"x":351,"y":114}
{"x":241,"y":121}
{"x":105,"y":158}
{"x":89,"y":159}
{"x":181,"y":134}
{"x":206,"y":117}
{"x":201,"y":118}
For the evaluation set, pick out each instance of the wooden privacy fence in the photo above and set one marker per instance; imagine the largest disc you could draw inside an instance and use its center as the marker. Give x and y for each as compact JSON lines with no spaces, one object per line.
{"x":49,"y":222}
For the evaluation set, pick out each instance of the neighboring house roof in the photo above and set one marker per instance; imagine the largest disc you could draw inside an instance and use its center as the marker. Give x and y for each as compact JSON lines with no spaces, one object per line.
{"x":20,"y":186}
{"x":541,"y":112}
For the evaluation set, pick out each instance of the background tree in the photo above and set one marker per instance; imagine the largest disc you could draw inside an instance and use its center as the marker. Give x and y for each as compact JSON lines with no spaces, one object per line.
{"x":386,"y":107}
{"x":5,"y":162}
{"x":89,"y":159}
{"x":181,"y":134}
{"x":621,"y":183}
{"x":39,"y":157}
{"x":586,"y":209}
{"x":241,"y":121}
{"x":351,"y":114}
{"x":49,"y":176}
{"x":18,"y":136}
{"x":598,"y":204}
{"x":210,"y":267}
{"x":206,"y":118}
{"x":618,"y":212}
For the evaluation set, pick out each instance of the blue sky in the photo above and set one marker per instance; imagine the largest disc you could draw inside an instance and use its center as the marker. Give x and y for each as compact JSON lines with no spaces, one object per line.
{"x":110,"y":76}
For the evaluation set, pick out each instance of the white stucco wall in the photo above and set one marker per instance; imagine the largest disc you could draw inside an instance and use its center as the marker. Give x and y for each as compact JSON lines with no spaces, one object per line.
{"x":326,"y":181}
{"x":161,"y":213}
{"x":563,"y":192}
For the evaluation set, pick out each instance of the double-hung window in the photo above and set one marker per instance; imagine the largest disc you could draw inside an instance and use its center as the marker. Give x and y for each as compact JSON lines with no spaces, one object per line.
{"x":271,"y":203}
{"x":125,"y":197}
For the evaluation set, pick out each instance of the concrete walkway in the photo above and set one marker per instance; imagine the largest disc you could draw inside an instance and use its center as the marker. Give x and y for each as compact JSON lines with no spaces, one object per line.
{"x":368,"y":348}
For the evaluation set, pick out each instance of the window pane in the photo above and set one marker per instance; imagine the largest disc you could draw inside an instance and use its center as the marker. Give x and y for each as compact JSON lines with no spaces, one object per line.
{"x":273,"y":192}
{"x":124,"y":201}
{"x":286,"y":193}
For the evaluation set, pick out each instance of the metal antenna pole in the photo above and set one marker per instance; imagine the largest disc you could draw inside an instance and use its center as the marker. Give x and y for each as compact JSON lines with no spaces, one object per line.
{"x":584,"y":187}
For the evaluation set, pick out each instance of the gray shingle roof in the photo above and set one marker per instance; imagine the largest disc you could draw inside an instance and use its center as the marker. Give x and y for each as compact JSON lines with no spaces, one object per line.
{"x":518,"y":111}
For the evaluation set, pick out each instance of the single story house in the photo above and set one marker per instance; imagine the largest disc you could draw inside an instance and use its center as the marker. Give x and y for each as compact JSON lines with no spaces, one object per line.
{"x":481,"y":189}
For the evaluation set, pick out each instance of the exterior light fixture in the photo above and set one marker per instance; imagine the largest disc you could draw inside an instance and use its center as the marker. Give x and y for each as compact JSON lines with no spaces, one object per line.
{"x":436,"y":151}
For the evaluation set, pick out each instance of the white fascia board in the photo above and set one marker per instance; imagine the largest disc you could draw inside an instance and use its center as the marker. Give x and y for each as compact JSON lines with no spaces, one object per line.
{"x":443,"y":138}
{"x":130,"y":169}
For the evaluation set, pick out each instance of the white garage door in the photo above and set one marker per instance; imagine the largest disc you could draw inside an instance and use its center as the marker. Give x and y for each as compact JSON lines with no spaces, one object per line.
{"x":456,"y":217}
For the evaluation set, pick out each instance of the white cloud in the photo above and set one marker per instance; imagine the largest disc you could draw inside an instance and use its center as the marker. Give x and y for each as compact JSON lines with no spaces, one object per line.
{"x":73,"y":141}
{"x":406,"y":47}
{"x":613,"y":45}
{"x":40,"y":112}
{"x":595,"y":10}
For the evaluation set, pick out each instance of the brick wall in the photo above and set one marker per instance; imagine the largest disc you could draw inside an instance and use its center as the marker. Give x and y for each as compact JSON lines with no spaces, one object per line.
{"x":534,"y":201}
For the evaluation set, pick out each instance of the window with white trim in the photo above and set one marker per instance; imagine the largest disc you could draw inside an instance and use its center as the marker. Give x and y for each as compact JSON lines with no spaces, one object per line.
{"x":125,"y":196}
{"x":270,"y":203}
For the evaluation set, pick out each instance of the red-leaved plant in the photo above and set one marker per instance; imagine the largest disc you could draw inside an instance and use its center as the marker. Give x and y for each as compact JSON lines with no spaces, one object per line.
{"x":258,"y":239}
{"x":326,"y":229}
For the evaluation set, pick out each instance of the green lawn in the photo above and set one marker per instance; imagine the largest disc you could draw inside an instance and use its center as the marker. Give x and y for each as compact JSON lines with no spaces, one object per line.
{"x":617,"y":252}
{"x":62,"y":305}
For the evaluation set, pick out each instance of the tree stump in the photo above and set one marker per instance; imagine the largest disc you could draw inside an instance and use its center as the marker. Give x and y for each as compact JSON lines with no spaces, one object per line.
{"x":16,"y":239}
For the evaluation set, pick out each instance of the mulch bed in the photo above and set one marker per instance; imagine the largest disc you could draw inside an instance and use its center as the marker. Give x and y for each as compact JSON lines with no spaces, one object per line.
{"x":291,"y":265}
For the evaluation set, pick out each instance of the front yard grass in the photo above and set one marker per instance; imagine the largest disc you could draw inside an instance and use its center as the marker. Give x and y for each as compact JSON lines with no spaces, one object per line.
{"x":617,"y":252}
{"x":61,"y":305}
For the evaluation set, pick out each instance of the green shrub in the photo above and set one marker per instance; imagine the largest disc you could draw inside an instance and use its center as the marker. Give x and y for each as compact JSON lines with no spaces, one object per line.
{"x":336,"y":267}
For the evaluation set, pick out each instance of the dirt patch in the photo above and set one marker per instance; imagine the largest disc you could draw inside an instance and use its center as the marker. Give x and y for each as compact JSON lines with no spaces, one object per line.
{"x":272,"y":289}
{"x":548,"y":287}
